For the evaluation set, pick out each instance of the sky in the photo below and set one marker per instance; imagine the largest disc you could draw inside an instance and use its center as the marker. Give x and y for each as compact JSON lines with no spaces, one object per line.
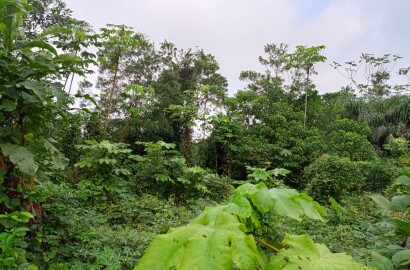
{"x":235,"y":31}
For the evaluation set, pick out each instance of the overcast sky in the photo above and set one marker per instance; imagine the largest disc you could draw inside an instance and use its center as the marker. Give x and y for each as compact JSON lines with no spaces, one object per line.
{"x":235,"y":31}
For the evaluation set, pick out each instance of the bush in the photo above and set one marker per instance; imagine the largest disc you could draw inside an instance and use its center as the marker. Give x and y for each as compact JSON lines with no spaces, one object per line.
{"x":379,"y":174}
{"x":333,"y":176}
{"x":162,"y":171}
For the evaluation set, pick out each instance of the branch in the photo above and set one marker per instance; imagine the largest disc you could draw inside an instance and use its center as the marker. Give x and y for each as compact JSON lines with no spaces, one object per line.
{"x":267,"y":245}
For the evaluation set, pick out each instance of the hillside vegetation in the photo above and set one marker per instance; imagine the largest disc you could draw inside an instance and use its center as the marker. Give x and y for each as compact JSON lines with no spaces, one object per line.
{"x":153,"y":166}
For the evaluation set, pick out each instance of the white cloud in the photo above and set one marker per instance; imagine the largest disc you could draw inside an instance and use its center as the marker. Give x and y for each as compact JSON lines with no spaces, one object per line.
{"x":235,"y":31}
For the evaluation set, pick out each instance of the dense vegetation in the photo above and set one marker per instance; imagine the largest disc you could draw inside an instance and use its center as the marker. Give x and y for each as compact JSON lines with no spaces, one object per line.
{"x":94,"y":176}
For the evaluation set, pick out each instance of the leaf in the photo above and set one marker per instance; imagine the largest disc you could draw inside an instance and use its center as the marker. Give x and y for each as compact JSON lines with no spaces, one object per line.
{"x":280,"y":172}
{"x":59,"y":162}
{"x":262,"y":199}
{"x":55,"y":30}
{"x":290,"y":203}
{"x":405,"y":180}
{"x":87,"y":97}
{"x":402,"y":227}
{"x":382,"y":202}
{"x":67,"y":58}
{"x":401,"y":202}
{"x":37,"y":87}
{"x":21,"y":157}
{"x":107,"y":160}
{"x":240,"y":206}
{"x":163,"y":177}
{"x":220,"y":245}
{"x":260,"y":174}
{"x":286,"y":202}
{"x":246,"y":189}
{"x":8,"y":105}
{"x":401,"y":258}
{"x":380,"y":262}
{"x":122,"y":171}
{"x":38,"y":44}
{"x":302,"y":253}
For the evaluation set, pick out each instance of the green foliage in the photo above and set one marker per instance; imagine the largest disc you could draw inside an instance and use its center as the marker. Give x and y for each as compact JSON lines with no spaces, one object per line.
{"x":399,"y":148}
{"x":301,"y":252}
{"x":398,"y":208}
{"x":112,"y":234}
{"x":13,"y":227}
{"x":21,"y":157}
{"x":376,"y":70}
{"x":31,"y":100}
{"x":218,"y":238}
{"x":162,"y":170}
{"x":353,"y":225}
{"x":220,"y":244}
{"x":115,"y":198}
{"x":333,"y":176}
{"x":102,"y":159}
{"x":270,"y":177}
{"x":380,"y":173}
{"x":348,"y":138}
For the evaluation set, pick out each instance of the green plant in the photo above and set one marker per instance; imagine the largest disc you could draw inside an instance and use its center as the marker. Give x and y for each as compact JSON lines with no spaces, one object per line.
{"x":399,"y":209}
{"x":102,"y":169}
{"x":162,"y":171}
{"x":219,"y":239}
{"x":269,"y":177}
{"x":399,"y":148}
{"x":31,"y":99}
{"x":380,"y":173}
{"x":14,"y":227}
{"x":333,"y":176}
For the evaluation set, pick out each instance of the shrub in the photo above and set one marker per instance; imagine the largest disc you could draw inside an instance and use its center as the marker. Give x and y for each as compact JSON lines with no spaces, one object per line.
{"x":333,"y":176}
{"x":379,"y":174}
{"x":162,"y":171}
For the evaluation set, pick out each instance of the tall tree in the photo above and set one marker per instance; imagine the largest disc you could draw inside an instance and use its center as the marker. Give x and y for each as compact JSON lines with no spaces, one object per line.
{"x":370,"y":75}
{"x":31,"y":101}
{"x":303,"y":59}
{"x":117,"y":43}
{"x":45,"y":14}
{"x":188,"y":87}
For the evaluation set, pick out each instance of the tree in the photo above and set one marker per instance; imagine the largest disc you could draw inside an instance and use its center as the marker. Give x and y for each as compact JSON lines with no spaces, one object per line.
{"x":45,"y":14}
{"x":304,"y":59}
{"x":31,"y":100}
{"x":117,"y":42}
{"x":188,"y":88}
{"x":373,"y":83}
{"x":272,"y":82}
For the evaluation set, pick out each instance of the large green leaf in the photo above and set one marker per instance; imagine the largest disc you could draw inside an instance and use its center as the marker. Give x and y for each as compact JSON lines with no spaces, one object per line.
{"x":401,"y":202}
{"x":262,"y":199}
{"x":290,"y":203}
{"x":382,"y":202}
{"x":37,"y":87}
{"x":21,"y":157}
{"x":8,"y":105}
{"x":404,"y":179}
{"x":302,"y":253}
{"x":401,"y":258}
{"x":38,"y":44}
{"x":380,"y":262}
{"x":221,"y":245}
{"x":285,"y":202}
{"x":402,"y":227}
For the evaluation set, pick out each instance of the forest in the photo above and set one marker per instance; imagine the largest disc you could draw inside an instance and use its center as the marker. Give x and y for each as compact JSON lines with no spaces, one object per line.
{"x":152,"y":165}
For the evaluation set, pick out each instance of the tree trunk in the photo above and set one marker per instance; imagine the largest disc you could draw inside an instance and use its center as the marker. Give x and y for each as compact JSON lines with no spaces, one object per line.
{"x":186,"y":144}
{"x":306,"y":96}
{"x":109,"y":105}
